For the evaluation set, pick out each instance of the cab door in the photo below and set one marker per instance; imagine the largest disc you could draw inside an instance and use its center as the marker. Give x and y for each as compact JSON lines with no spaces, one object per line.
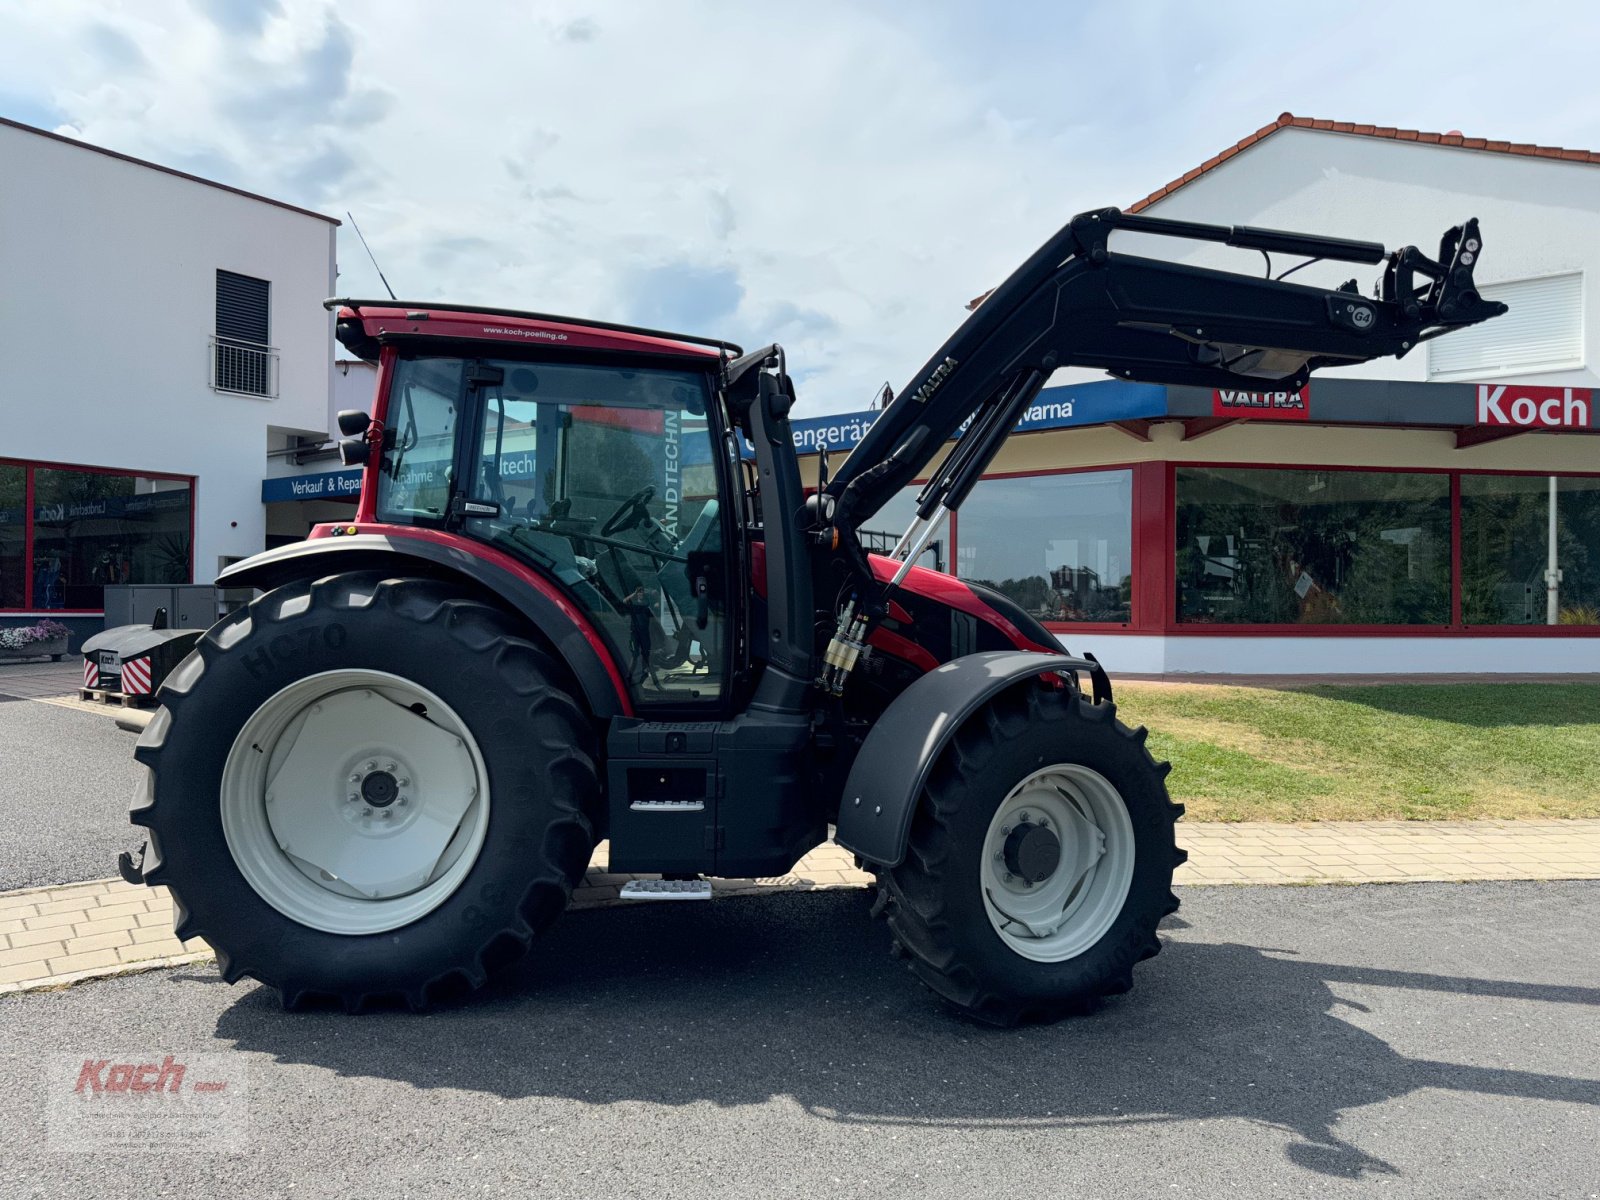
{"x":609,"y":480}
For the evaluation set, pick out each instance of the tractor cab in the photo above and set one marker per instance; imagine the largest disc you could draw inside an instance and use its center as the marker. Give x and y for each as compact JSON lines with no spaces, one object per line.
{"x":601,"y":470}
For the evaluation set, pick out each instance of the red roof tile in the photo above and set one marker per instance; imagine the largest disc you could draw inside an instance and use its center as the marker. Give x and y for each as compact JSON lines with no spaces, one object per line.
{"x":1289,"y":120}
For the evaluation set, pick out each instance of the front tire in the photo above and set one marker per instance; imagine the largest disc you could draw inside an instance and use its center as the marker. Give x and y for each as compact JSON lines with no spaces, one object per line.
{"x":367,"y":789}
{"x":1040,"y":860}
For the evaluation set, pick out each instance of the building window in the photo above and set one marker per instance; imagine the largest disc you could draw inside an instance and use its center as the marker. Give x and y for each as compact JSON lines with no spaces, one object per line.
{"x":85,"y":530}
{"x":1061,"y":546}
{"x":1507,"y":549}
{"x":242,"y":359}
{"x":1278,"y":547}
{"x":1542,"y":332}
{"x":13,"y":536}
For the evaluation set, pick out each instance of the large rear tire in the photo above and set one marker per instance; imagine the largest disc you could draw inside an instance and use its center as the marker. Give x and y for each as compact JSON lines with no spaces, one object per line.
{"x":366,"y":789}
{"x":1040,"y":860}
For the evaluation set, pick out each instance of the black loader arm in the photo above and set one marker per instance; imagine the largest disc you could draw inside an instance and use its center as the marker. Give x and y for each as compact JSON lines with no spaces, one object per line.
{"x":1077,"y":302}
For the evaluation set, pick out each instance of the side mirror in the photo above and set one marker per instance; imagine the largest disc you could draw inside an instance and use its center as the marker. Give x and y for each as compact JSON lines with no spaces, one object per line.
{"x":353,"y":422}
{"x":354,"y":452}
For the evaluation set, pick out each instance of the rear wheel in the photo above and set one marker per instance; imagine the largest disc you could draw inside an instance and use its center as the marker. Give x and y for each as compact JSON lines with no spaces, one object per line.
{"x":1040,"y":860}
{"x":365,"y":788}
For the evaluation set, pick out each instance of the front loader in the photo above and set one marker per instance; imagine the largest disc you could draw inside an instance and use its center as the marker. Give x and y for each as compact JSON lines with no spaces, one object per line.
{"x":585,"y":596}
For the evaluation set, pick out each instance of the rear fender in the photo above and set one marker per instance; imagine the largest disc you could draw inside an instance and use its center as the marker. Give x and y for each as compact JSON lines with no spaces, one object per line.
{"x":892,"y":768}
{"x":570,"y":632}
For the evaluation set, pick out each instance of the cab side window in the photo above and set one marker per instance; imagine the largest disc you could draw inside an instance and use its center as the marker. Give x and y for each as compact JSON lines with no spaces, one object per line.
{"x":416,"y":476}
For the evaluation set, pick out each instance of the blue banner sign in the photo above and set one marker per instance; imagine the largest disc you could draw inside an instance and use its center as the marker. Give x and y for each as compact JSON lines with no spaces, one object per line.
{"x":328,"y":485}
{"x":1097,"y":403}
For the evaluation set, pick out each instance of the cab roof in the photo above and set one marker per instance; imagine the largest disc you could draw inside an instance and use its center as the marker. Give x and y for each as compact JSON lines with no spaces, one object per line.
{"x":364,"y":324}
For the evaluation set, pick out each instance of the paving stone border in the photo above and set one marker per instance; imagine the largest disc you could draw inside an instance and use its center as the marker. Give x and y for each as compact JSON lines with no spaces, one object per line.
{"x":55,"y":936}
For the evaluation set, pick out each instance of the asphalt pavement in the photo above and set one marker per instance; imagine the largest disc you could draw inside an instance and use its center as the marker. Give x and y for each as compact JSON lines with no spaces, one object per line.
{"x":1434,"y":1039}
{"x":66,"y":777}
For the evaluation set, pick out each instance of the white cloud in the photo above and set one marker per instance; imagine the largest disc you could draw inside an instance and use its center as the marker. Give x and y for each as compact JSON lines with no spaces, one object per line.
{"x":843,"y":176}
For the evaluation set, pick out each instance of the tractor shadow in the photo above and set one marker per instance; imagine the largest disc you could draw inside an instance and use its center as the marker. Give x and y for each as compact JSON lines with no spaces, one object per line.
{"x":796,"y":996}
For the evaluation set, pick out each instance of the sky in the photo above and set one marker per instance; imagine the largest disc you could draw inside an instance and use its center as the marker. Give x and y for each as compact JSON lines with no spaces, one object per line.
{"x":839,"y":177}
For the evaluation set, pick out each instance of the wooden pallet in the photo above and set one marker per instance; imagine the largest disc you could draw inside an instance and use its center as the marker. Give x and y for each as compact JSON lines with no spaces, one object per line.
{"x":104,"y":696}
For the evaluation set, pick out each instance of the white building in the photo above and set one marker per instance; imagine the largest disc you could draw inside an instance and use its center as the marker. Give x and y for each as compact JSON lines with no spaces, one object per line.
{"x":159,"y":334}
{"x":1539,"y":207}
{"x":305,"y":485}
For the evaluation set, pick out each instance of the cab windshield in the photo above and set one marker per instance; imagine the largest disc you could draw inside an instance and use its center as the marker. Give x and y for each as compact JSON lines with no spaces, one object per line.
{"x":604,"y":478}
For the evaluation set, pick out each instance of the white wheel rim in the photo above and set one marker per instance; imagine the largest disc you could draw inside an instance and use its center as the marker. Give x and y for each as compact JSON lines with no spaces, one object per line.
{"x":1068,"y":910}
{"x":317,"y":832}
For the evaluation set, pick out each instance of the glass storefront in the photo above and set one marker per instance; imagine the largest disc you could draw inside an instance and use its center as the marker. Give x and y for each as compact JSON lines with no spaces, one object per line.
{"x":1506,"y":550}
{"x":1306,"y":547}
{"x":1286,"y":547}
{"x":1061,"y":546}
{"x":87,"y":529}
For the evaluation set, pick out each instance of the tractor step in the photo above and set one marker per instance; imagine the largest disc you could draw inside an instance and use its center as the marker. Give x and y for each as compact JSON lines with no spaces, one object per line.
{"x":667,"y":889}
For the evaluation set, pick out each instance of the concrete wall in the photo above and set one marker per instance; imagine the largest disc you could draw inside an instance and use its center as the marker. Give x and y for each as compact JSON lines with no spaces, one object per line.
{"x":107,"y":301}
{"x":1540,"y":217}
{"x":1177,"y":654}
{"x":353,"y":385}
{"x":1312,"y":445}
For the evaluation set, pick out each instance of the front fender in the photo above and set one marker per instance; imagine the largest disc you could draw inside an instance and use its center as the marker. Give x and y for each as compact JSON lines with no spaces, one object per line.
{"x":889,"y":773}
{"x":565,"y":626}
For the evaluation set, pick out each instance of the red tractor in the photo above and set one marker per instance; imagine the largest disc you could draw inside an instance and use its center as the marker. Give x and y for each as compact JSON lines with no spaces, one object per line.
{"x":586,"y":596}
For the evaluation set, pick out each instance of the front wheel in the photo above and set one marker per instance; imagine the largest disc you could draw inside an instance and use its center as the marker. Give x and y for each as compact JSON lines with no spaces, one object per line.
{"x":1040,"y":860}
{"x":366,"y":788}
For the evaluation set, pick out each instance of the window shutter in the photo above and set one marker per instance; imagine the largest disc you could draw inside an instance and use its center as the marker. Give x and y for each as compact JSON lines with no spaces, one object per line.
{"x":242,"y":308}
{"x":1542,"y":332}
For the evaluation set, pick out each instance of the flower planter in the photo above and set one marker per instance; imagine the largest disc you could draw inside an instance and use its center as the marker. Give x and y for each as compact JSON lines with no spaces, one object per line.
{"x":55,"y":648}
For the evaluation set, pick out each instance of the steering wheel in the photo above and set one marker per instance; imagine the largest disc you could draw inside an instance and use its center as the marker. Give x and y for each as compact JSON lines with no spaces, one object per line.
{"x":630,"y":512}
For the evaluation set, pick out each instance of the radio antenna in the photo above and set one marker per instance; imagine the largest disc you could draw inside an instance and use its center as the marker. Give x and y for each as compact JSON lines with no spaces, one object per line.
{"x":370,"y":255}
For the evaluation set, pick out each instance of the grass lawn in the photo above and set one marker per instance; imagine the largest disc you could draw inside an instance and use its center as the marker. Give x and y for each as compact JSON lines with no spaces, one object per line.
{"x":1394,"y":751}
